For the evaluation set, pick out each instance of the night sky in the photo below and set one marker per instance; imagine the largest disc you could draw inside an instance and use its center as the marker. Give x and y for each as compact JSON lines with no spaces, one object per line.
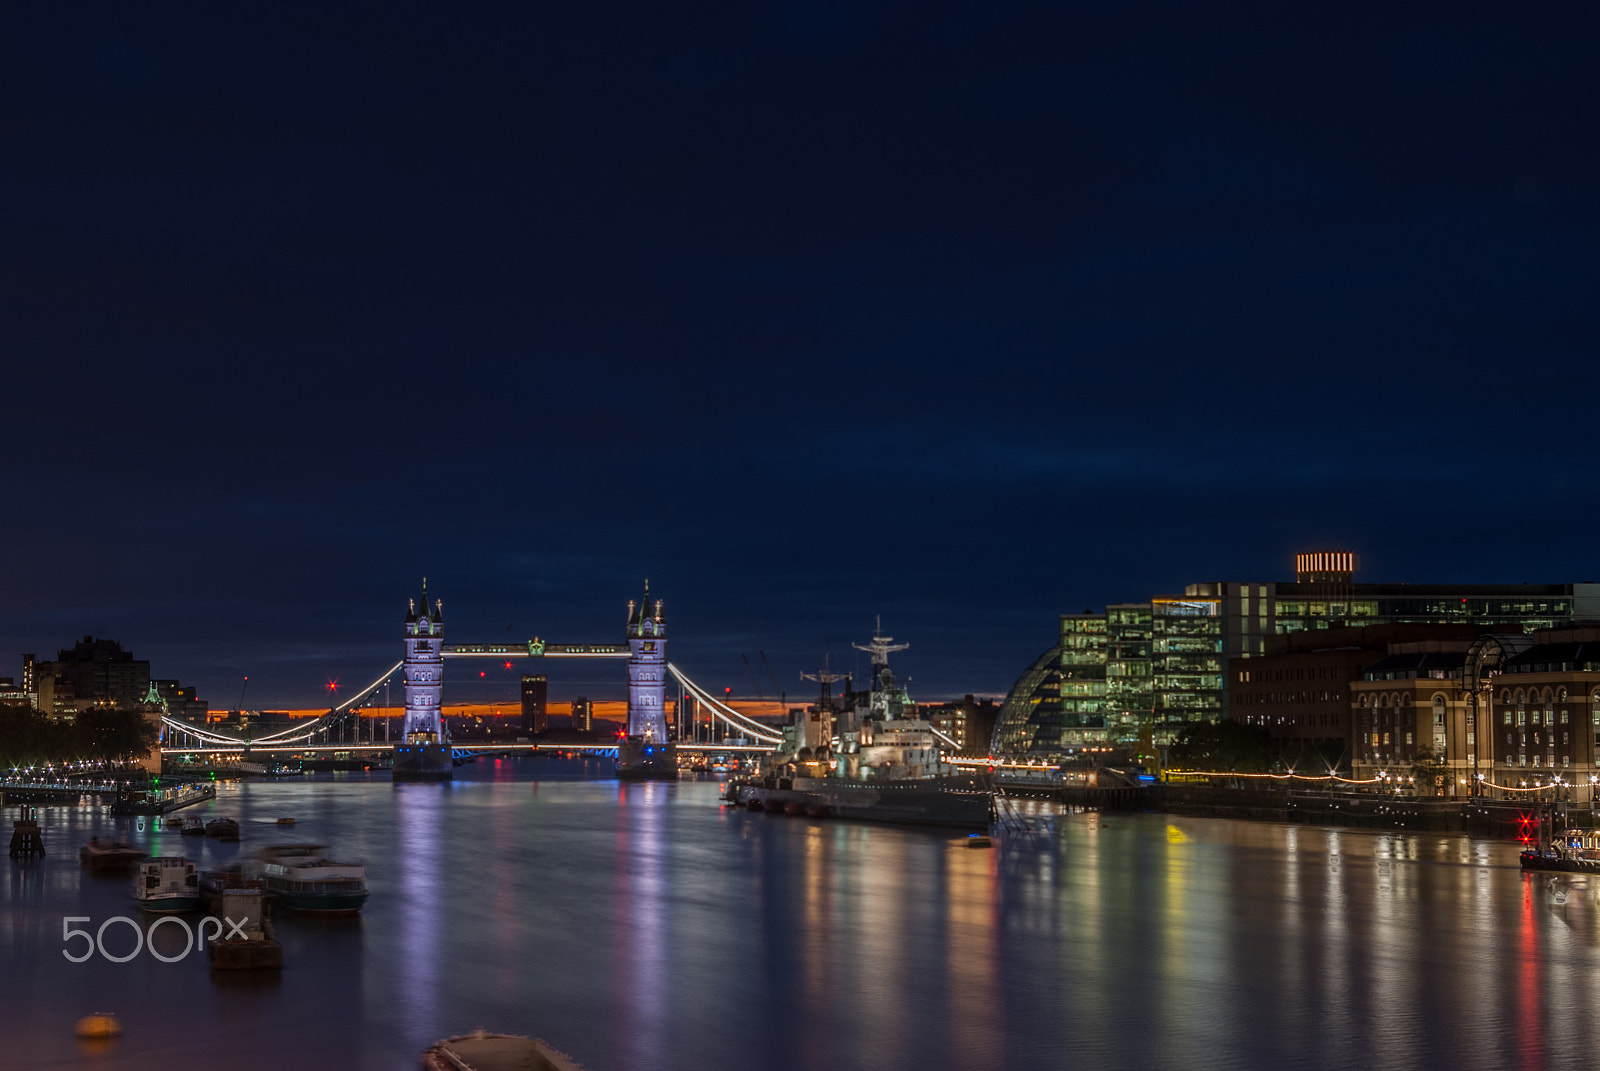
{"x":965,"y":315}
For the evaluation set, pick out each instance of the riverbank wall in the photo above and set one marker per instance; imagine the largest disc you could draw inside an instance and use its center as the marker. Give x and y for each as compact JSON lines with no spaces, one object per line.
{"x":1498,"y":819}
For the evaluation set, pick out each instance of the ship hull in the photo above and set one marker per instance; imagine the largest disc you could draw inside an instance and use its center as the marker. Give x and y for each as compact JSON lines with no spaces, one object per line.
{"x":948,"y":802}
{"x":170,"y":905}
{"x":640,"y":760}
{"x":245,"y":955}
{"x":326,"y":903}
{"x":423,"y":762}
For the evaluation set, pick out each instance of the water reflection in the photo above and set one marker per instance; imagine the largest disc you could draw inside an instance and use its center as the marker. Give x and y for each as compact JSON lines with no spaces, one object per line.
{"x":646,"y":927}
{"x":640,"y":921}
{"x":423,"y":895}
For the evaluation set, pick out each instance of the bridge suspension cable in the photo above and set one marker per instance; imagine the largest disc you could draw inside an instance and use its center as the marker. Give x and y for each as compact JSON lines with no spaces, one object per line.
{"x":722,"y":710}
{"x":294,"y":733}
{"x":286,"y":735}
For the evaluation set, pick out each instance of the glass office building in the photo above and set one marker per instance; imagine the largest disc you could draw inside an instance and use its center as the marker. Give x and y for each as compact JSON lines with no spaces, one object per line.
{"x":1130,"y":682}
{"x":1083,"y":680}
{"x":1188,"y":662}
{"x":1166,"y":661}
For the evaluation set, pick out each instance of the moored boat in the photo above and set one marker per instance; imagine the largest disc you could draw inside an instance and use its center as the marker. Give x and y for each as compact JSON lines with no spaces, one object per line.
{"x":302,"y":878}
{"x":222,"y":829}
{"x":483,"y":1051}
{"x":154,"y":801}
{"x":1575,"y":851}
{"x":108,"y":855}
{"x":104,"y":855}
{"x":166,"y":885}
{"x":248,"y":941}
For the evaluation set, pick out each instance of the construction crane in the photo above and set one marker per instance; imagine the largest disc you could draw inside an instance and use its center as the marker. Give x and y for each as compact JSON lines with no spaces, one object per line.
{"x":753,"y":682}
{"x":773,"y":677}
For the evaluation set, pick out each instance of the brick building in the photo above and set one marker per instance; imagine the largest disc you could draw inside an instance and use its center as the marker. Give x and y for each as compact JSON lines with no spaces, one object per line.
{"x":1299,"y":689}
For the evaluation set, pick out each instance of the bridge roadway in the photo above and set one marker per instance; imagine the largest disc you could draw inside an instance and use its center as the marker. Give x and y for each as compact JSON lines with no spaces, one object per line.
{"x":80,"y":788}
{"x":488,"y":749}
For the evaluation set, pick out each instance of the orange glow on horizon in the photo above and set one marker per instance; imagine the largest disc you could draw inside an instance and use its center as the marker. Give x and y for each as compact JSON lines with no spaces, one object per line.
{"x":601,"y":710}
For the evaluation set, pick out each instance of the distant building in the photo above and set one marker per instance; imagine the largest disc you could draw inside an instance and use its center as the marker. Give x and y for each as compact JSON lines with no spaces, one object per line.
{"x":1539,"y":712}
{"x":582,"y":714}
{"x":970,"y":723}
{"x":97,"y":671}
{"x":1173,"y":661}
{"x":182,"y":701}
{"x":12,"y":695}
{"x":1300,"y":689}
{"x":535,"y":703}
{"x":1083,"y":678}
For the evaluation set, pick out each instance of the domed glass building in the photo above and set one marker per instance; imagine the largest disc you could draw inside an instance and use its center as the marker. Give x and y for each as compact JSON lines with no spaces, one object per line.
{"x":1029,"y":723}
{"x":1058,"y":705}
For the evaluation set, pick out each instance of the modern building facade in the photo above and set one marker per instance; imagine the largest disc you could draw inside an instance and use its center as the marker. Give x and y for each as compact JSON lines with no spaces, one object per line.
{"x":535,"y":703}
{"x":1175,"y":660}
{"x":1083,"y":680}
{"x":582,"y":714}
{"x":1029,"y":724}
{"x":1130,"y":670}
{"x":1188,"y":659}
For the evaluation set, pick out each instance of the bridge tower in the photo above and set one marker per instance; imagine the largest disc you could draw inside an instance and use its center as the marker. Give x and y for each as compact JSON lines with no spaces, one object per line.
{"x":424,"y":751}
{"x":647,"y":670}
{"x":424,"y":668}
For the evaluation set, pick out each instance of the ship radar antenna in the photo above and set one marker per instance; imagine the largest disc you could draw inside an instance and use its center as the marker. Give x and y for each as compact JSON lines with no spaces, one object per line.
{"x":881,"y":646}
{"x":825,"y":675}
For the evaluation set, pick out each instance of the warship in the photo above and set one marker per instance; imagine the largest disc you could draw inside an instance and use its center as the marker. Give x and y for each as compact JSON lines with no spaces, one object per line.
{"x":868,"y":756}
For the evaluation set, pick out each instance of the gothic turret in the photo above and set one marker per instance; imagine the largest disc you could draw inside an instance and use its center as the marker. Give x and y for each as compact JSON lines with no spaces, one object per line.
{"x":424,"y":669}
{"x":647,"y":669}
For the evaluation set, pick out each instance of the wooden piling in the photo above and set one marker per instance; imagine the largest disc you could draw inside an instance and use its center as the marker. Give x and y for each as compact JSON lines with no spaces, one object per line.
{"x":25,"y":839}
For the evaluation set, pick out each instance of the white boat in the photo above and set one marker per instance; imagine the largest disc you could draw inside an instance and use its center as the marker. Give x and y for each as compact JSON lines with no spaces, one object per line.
{"x":302,"y":878}
{"x":166,"y":885}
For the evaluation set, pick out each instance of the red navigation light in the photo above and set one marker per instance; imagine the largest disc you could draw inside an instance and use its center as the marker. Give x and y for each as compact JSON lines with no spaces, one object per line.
{"x":333,"y":686}
{"x":508,"y":665}
{"x":480,"y":673}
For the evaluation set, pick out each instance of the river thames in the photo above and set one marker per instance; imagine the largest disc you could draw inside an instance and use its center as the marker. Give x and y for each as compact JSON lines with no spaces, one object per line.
{"x":645,"y":926}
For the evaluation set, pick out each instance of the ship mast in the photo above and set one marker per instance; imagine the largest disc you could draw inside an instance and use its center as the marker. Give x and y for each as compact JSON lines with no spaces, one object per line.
{"x":880,"y":649}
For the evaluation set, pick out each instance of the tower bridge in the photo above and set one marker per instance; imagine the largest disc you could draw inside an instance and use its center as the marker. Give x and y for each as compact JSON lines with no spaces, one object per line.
{"x":425,"y":752}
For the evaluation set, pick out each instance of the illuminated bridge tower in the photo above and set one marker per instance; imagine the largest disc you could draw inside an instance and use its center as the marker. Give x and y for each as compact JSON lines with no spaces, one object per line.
{"x":646,"y":752}
{"x":647,"y":670}
{"x":424,"y":751}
